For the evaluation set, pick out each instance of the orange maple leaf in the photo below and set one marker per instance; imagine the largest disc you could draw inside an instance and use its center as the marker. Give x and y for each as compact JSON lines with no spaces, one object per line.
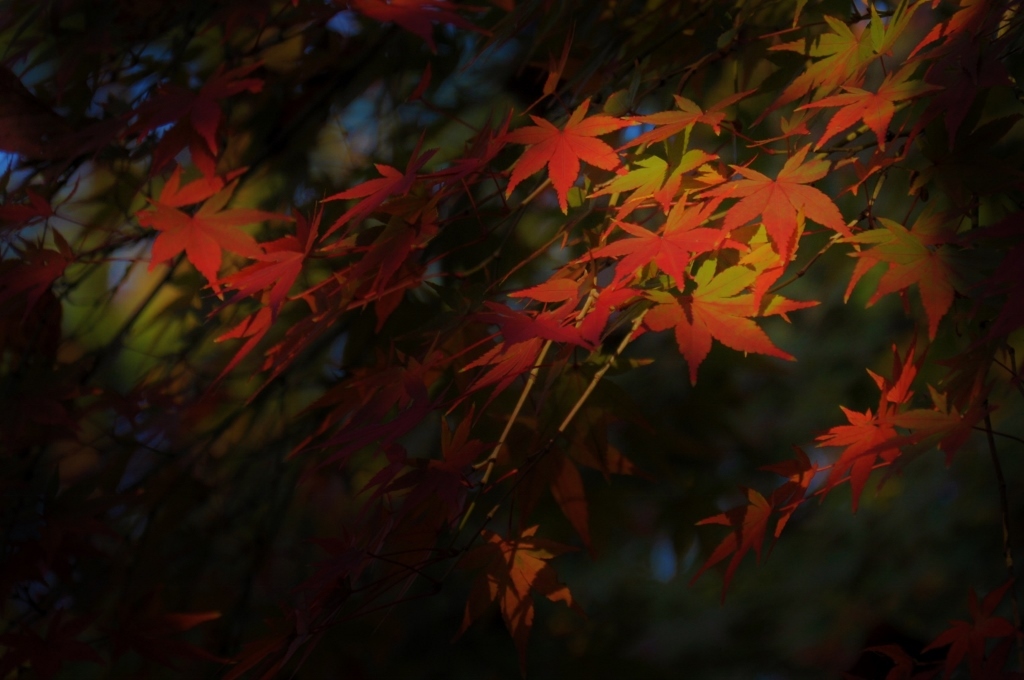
{"x":778,"y":201}
{"x":514,"y":569}
{"x":562,"y":150}
{"x":842,"y":58}
{"x":913,"y":256}
{"x":715,"y":310}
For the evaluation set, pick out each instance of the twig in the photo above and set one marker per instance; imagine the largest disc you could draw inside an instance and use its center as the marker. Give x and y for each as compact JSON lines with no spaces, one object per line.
{"x":1007,"y":550}
{"x":806,"y":267}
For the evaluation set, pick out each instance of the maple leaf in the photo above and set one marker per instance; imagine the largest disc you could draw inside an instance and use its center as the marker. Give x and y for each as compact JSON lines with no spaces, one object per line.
{"x":416,"y":16}
{"x":943,"y":424}
{"x":567,"y":489}
{"x":19,"y":215}
{"x":483,"y":148}
{"x":787,"y":498}
{"x":279,"y":265}
{"x":196,"y":116}
{"x":671,"y":251}
{"x":514,"y":570}
{"x":842,"y":57}
{"x":967,"y":638}
{"x":436,"y":485}
{"x":552,"y":290}
{"x":778,"y":201}
{"x":517,"y":326}
{"x":876,"y":109}
{"x":35,"y":272}
{"x":713,"y":310}
{"x":375,"y":191}
{"x":562,"y":150}
{"x":750,"y":522}
{"x":651,"y":179}
{"x":205,"y":233}
{"x":670,"y":123}
{"x":870,"y":436}
{"x":913,"y":256}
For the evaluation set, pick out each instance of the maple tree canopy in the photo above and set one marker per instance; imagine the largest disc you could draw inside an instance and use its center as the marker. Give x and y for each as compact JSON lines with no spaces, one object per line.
{"x":420,"y":338}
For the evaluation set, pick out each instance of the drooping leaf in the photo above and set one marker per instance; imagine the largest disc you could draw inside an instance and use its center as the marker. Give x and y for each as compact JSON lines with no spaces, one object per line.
{"x":374,"y":192}
{"x":913,"y":256}
{"x":514,"y":570}
{"x":749,"y":523}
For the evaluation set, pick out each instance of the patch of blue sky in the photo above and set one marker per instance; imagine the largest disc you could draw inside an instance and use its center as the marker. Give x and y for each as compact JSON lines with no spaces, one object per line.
{"x":345,"y":23}
{"x":664,"y":563}
{"x":121,"y":260}
{"x":334,"y":367}
{"x":628,"y":134}
{"x":474,"y":79}
{"x":9,"y":163}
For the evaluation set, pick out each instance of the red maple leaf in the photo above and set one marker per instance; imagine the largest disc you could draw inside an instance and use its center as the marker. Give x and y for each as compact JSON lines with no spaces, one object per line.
{"x":205,"y":233}
{"x":779,"y":200}
{"x":374,"y":192}
{"x":870,"y":436}
{"x":514,"y":569}
{"x":562,"y":150}
{"x":669,"y":123}
{"x":35,"y":272}
{"x":967,"y":638}
{"x":196,"y":116}
{"x":749,"y":522}
{"x":18,"y":215}
{"x":876,"y":109}
{"x":416,"y":16}
{"x":670,"y":251}
{"x":280,"y":264}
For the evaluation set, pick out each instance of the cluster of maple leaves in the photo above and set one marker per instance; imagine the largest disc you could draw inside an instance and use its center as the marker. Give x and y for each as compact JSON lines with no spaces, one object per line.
{"x":686,"y":244}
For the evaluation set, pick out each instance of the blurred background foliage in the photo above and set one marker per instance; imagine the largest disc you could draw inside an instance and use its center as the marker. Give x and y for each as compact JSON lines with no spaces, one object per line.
{"x":113,"y":416}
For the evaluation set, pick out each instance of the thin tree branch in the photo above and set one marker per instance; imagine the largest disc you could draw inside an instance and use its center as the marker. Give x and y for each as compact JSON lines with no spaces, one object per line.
{"x":1004,"y":505}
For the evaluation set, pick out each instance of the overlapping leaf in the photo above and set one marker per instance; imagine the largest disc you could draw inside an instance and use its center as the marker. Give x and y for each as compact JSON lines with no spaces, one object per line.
{"x":778,"y":201}
{"x":514,"y":570}
{"x":913,"y":256}
{"x":715,"y":310}
{"x":561,"y":150}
